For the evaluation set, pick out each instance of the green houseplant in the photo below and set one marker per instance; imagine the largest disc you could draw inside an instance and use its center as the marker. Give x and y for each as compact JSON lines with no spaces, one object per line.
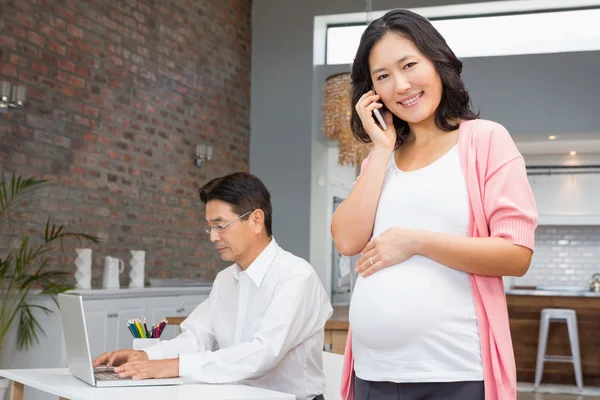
{"x":25,"y":272}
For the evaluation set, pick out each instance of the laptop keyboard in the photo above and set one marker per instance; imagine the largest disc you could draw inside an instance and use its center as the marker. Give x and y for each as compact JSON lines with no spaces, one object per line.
{"x":107,"y":375}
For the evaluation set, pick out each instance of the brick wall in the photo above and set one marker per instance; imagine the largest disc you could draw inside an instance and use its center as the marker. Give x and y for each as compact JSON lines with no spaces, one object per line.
{"x":120,"y":92}
{"x":564,"y":256}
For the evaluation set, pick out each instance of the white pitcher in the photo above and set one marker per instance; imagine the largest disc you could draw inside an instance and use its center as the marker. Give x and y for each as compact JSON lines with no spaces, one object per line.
{"x":112,"y":268}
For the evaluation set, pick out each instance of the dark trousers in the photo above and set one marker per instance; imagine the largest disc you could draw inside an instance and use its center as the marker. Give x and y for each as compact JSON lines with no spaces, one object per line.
{"x":467,"y":390}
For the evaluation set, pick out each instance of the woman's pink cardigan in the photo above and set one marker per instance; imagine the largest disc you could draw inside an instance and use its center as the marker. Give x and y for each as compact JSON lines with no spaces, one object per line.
{"x":502,"y":205}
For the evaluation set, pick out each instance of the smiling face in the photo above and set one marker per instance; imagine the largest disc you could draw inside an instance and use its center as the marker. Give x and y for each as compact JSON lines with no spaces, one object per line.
{"x":407,"y":81}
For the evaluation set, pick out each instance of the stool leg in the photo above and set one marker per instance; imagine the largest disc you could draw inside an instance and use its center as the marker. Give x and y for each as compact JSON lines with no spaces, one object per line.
{"x":574,"y":339}
{"x":541,"y":352}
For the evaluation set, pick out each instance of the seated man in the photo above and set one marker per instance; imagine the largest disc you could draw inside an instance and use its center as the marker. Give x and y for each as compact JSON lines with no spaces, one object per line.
{"x":263,"y":322}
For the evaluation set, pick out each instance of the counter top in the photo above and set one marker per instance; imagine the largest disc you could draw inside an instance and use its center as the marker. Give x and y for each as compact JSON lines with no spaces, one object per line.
{"x":339,"y":318}
{"x":125,"y":292}
{"x":558,"y":292}
{"x":90,"y":294}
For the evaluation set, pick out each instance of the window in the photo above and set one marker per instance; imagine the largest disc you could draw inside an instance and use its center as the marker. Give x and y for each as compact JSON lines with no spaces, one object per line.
{"x":492,"y":35}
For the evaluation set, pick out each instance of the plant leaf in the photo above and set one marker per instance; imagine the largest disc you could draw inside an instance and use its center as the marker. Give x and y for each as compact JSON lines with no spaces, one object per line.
{"x":14,"y":194}
{"x":29,"y":327}
{"x":26,"y":268}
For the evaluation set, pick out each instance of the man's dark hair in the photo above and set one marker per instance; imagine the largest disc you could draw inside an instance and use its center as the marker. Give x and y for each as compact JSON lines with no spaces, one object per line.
{"x":243,"y":192}
{"x":455,"y":102}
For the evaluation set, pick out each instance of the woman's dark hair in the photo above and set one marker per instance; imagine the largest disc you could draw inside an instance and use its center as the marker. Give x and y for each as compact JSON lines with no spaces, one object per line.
{"x":243,"y":192}
{"x":455,"y":102}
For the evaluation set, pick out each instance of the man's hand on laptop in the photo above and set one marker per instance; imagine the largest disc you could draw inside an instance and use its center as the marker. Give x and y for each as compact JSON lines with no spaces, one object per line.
{"x":139,"y":369}
{"x":116,"y":358}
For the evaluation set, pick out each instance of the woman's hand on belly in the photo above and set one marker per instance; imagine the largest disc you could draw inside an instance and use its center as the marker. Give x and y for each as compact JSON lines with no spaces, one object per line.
{"x":389,"y":248}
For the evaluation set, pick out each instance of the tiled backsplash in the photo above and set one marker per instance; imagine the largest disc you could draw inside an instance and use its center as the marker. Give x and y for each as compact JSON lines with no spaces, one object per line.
{"x":564,"y":256}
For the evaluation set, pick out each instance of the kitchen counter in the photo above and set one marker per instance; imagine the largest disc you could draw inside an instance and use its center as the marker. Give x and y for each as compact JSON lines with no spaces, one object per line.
{"x":554,"y":292}
{"x":524,"y":311}
{"x":336,"y":329}
{"x":339,"y":319}
{"x":125,"y":292}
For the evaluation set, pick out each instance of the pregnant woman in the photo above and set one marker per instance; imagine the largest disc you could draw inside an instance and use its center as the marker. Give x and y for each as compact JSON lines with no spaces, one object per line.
{"x":441,"y":211}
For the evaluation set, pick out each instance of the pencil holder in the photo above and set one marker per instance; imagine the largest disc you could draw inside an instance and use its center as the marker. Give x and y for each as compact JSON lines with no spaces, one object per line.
{"x":140,"y":344}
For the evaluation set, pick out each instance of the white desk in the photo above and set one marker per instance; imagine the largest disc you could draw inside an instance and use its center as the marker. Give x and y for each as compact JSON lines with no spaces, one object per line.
{"x":60,"y":382}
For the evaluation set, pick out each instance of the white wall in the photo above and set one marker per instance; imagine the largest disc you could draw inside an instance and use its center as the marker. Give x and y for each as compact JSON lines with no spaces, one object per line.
{"x":567,"y":242}
{"x":564,"y":256}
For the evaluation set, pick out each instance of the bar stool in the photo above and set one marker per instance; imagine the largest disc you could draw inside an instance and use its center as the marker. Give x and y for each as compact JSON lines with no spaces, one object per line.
{"x":559,"y":315}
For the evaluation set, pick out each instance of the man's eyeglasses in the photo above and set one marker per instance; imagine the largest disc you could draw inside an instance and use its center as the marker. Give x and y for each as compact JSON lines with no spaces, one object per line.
{"x":219,"y":228}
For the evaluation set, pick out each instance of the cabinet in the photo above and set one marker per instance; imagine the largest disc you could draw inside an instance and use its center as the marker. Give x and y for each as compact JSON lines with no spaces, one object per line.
{"x":106,"y":320}
{"x":180,"y":306}
{"x":97,"y":323}
{"x":159,"y":309}
{"x":567,"y":199}
{"x":187,"y":304}
{"x":336,"y":330}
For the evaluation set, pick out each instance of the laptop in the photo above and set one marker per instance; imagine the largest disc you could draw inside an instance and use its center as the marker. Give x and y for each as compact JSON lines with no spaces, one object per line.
{"x":78,"y":350}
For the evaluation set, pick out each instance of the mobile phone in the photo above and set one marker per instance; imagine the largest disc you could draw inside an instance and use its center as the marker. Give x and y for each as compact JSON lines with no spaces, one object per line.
{"x":378,"y":116}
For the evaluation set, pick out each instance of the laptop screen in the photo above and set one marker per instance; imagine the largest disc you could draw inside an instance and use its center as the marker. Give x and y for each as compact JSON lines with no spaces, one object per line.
{"x":76,"y":339}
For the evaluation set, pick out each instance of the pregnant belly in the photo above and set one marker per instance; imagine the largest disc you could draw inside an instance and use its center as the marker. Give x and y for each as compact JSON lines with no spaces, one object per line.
{"x":409,"y":303}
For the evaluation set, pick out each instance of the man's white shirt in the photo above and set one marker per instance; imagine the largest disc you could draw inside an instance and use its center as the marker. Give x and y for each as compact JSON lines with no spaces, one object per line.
{"x":261,"y":327}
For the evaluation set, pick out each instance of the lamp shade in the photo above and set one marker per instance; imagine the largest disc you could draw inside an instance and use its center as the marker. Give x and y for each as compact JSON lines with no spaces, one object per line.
{"x":337,"y":111}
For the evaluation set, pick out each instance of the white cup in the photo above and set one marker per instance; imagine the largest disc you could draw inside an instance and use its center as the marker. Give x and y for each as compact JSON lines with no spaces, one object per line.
{"x":136,"y":274}
{"x":83,"y":264}
{"x":140,"y":344}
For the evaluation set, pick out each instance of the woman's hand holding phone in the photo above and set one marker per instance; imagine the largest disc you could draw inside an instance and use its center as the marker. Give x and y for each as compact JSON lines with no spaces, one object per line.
{"x":365,"y":107}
